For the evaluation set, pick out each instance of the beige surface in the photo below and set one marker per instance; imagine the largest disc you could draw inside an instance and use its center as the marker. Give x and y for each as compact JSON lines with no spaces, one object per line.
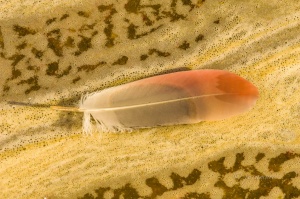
{"x":53,"y":54}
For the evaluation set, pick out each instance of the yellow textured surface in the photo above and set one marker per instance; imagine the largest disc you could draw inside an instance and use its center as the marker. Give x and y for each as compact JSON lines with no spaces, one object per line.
{"x":51,"y":52}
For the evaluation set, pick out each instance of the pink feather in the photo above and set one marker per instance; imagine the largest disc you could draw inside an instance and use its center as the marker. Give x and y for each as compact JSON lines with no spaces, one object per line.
{"x":177,"y":98}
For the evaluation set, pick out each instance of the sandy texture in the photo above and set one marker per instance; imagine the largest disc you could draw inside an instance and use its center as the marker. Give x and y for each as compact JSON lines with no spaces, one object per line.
{"x":52,"y":53}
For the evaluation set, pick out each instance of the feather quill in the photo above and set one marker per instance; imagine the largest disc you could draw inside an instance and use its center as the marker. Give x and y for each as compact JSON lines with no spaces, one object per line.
{"x":176,"y":98}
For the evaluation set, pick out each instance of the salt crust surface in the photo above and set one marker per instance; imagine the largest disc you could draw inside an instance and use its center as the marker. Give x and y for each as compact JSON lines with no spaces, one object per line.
{"x":44,"y":153}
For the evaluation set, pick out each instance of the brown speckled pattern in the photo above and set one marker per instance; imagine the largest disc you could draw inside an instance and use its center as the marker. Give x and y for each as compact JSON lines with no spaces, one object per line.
{"x":52,"y":52}
{"x":55,"y":55}
{"x":241,"y":174}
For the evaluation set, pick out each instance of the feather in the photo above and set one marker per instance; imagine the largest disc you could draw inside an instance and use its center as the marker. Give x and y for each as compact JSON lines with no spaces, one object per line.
{"x":177,"y":98}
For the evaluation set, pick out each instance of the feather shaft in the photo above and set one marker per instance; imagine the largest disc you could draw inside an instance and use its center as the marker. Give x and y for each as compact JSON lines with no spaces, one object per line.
{"x":65,"y":108}
{"x":135,"y":106}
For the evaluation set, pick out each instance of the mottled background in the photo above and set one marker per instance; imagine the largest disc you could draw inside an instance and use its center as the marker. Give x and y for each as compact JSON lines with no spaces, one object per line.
{"x":52,"y":52}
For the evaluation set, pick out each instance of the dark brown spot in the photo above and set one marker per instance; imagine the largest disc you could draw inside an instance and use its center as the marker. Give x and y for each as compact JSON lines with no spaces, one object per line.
{"x":189,"y":3}
{"x":275,"y":163}
{"x":217,"y":21}
{"x":64,"y":17}
{"x":6,"y":88}
{"x":157,"y":188}
{"x":1,"y":40}
{"x":180,"y":182}
{"x":54,"y":42}
{"x":185,"y":45}
{"x":33,"y":88}
{"x":23,"y":31}
{"x":37,"y":53}
{"x":158,"y":53}
{"x":103,"y":8}
{"x":16,"y":59}
{"x":49,"y":21}
{"x":132,"y":6}
{"x":126,"y":192}
{"x":259,"y":156}
{"x":199,"y":38}
{"x":83,"y":14}
{"x":33,"y":81}
{"x":15,"y":74}
{"x":135,"y":6}
{"x":34,"y":68}
{"x":76,"y":80}
{"x":87,"y":27}
{"x":94,"y":33}
{"x":143,"y":57}
{"x":132,"y":31}
{"x":70,"y":42}
{"x":218,"y":165}
{"x":108,"y":30}
{"x":64,"y":72}
{"x":21,"y":46}
{"x":194,"y":195}
{"x":122,"y":61}
{"x":101,"y":191}
{"x":52,"y":69}
{"x":90,"y":67}
{"x":233,"y":191}
{"x":83,"y":45}
{"x":147,"y":20}
{"x":173,"y":15}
